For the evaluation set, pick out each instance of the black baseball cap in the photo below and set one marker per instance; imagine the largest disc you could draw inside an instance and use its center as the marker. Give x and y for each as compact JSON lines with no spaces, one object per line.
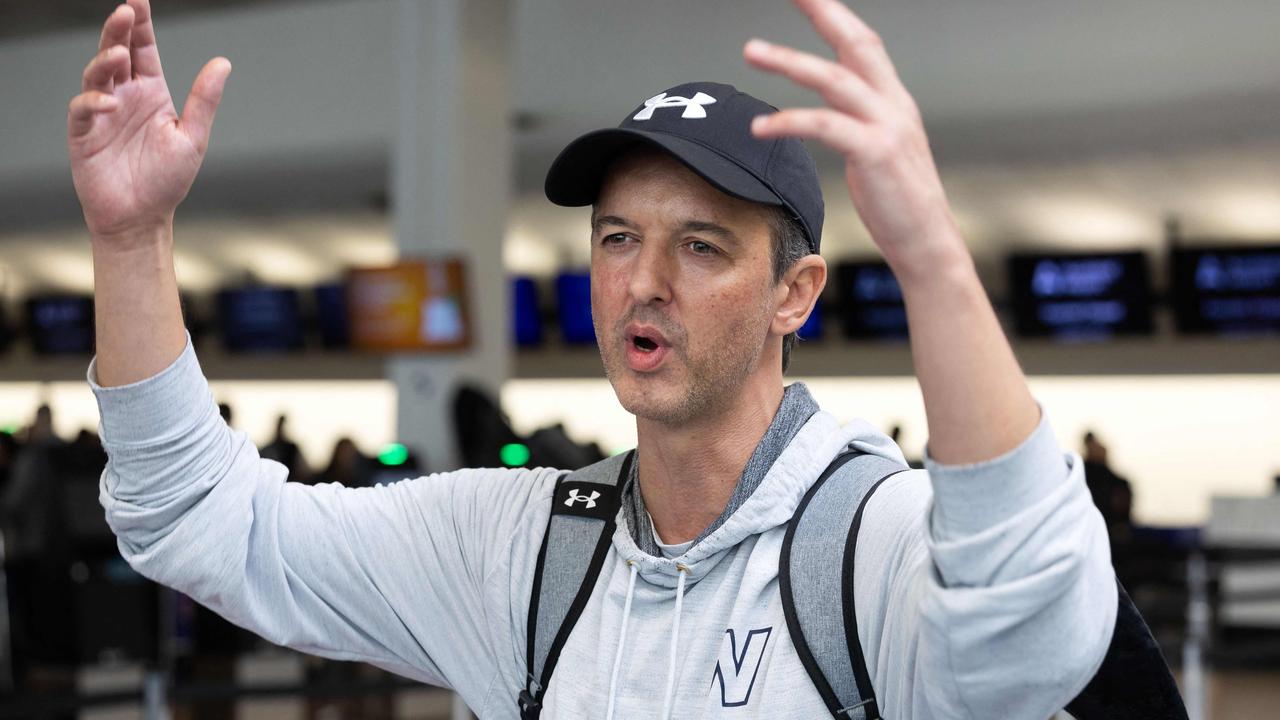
{"x":706,"y":126}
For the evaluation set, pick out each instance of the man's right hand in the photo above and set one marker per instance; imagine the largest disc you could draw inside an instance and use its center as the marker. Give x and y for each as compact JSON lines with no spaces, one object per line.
{"x":133,"y":159}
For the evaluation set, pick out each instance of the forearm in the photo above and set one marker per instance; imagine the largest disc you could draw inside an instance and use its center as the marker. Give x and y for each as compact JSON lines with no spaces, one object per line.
{"x":976,"y":398}
{"x":137,"y":314}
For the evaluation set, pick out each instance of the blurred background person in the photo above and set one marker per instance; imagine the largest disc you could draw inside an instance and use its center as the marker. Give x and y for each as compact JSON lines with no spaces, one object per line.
{"x":347,"y":466}
{"x":285,"y":451}
{"x":1113,"y":495}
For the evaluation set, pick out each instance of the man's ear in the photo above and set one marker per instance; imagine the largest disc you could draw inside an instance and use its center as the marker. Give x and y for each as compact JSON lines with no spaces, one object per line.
{"x":797,"y":293}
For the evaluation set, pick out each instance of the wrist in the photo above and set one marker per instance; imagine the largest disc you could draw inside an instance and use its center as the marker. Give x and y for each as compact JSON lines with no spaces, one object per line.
{"x":128,"y":240}
{"x":930,"y":259}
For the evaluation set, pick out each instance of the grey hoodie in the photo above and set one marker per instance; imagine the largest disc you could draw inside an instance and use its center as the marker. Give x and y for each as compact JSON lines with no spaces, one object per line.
{"x":982,"y":591}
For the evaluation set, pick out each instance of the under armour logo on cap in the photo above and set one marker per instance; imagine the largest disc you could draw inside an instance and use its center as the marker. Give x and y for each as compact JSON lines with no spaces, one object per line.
{"x":693,"y":107}
{"x":718,"y":145}
{"x":589,"y":500}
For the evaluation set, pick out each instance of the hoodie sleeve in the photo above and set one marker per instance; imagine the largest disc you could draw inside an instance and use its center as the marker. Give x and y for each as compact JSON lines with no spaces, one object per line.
{"x":393,"y":575}
{"x":1000,"y":599}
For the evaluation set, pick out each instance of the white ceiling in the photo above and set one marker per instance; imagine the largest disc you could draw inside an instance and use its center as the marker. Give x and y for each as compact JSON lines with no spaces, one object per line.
{"x":1077,"y":124}
{"x":962,"y":58}
{"x":1087,"y":69}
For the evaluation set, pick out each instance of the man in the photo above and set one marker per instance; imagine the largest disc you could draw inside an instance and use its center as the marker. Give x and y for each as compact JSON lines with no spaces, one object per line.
{"x":983,"y":586}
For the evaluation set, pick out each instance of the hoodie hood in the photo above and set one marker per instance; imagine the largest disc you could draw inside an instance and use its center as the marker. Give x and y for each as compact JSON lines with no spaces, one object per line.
{"x":772,"y":503}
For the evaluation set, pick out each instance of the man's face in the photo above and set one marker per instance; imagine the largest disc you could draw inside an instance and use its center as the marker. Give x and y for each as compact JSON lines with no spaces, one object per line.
{"x":681,"y":289}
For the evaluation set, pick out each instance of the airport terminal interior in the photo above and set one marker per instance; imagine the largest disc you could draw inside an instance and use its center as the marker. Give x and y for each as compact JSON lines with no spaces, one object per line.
{"x":1114,"y":168}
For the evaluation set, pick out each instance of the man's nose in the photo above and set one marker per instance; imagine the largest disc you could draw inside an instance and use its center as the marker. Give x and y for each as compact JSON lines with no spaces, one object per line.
{"x":651,"y":275}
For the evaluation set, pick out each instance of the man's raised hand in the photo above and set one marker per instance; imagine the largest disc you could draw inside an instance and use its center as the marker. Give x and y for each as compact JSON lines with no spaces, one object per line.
{"x":133,"y":159}
{"x":873,"y":122}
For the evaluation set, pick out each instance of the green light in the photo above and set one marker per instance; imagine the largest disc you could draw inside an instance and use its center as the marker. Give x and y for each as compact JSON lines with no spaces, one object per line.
{"x":393,"y":454}
{"x":514,"y":455}
{"x":8,"y":429}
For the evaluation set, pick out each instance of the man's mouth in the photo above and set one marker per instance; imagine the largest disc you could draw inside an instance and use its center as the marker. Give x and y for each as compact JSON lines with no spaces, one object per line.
{"x":644,"y":344}
{"x":646,"y":348}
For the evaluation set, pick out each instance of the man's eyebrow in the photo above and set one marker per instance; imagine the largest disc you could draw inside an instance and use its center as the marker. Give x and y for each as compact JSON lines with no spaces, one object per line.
{"x":710,"y":228}
{"x":602,"y":220}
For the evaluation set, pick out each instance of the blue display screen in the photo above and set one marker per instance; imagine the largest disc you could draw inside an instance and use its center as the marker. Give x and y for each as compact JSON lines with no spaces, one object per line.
{"x":1227,"y":290}
{"x":812,"y":327}
{"x":1083,"y":296}
{"x":332,"y":319}
{"x":573,"y":308}
{"x":870,"y":301}
{"x":61,"y":324}
{"x":525,"y":313}
{"x":260,"y":320}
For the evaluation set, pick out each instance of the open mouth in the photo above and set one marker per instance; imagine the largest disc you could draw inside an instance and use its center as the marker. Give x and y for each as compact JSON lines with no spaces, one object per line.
{"x":647,"y":349}
{"x":644,"y":344}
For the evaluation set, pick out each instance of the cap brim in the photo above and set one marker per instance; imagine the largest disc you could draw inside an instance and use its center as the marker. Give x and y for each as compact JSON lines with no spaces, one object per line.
{"x":576,"y":174}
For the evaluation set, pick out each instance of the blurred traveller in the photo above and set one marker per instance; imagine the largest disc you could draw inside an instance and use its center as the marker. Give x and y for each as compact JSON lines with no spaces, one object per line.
{"x":31,"y":507}
{"x":986,"y":586}
{"x":37,"y":550}
{"x":1113,"y":495}
{"x":347,"y":466}
{"x":285,"y":451}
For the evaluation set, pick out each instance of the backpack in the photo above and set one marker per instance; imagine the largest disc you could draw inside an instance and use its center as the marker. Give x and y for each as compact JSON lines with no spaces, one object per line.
{"x":1133,"y":683}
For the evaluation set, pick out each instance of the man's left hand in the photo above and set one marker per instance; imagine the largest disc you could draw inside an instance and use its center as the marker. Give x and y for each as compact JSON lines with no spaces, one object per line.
{"x":873,"y":122}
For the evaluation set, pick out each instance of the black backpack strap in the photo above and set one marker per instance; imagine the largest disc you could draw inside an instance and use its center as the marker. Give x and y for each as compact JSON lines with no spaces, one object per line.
{"x":816,"y":582}
{"x":1134,"y":682}
{"x":584,"y":511}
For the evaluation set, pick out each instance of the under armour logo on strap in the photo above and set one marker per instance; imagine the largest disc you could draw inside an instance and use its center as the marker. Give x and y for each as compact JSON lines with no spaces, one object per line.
{"x":693,"y":108}
{"x":588,"y":500}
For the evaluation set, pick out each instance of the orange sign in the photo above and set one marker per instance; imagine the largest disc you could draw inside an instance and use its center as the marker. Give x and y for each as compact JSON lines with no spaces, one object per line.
{"x":416,"y":305}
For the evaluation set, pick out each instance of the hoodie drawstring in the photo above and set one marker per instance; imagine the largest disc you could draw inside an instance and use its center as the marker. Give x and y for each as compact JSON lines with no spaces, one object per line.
{"x":675,"y":641}
{"x":622,"y":638}
{"x":622,"y":641}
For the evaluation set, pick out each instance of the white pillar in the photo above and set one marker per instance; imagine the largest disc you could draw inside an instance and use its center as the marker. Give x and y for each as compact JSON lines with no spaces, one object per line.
{"x":451,"y":186}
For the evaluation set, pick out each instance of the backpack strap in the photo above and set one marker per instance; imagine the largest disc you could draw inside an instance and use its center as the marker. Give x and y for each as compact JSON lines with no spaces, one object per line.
{"x":815,"y":577}
{"x":1134,"y":681}
{"x":584,"y":511}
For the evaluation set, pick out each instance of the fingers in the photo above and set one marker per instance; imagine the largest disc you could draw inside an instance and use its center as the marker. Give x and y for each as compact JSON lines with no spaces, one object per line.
{"x":106,"y":68}
{"x":85,"y":107}
{"x":202,"y":102}
{"x":146,"y":56}
{"x":838,"y":85}
{"x":117,"y":29}
{"x":830,"y":127}
{"x":857,"y":46}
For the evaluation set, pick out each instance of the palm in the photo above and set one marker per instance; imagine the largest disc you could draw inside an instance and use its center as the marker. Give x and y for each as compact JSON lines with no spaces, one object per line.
{"x":133,"y":159}
{"x":135,"y":163}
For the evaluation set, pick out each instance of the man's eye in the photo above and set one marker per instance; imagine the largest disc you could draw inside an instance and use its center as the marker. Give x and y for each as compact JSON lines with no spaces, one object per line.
{"x":701,"y":248}
{"x":614,"y":239}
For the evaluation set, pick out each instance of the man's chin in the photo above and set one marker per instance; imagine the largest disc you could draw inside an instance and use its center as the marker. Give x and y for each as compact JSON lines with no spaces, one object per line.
{"x":646,"y":396}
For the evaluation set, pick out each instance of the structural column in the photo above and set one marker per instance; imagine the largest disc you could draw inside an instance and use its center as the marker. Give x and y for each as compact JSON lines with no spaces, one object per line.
{"x":451,"y":186}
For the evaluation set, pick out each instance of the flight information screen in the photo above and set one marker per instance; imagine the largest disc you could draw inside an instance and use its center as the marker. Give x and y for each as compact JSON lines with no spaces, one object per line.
{"x":61,"y":324}
{"x":1080,"y":296}
{"x":260,"y":319}
{"x":1226,"y":290}
{"x":870,"y":301}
